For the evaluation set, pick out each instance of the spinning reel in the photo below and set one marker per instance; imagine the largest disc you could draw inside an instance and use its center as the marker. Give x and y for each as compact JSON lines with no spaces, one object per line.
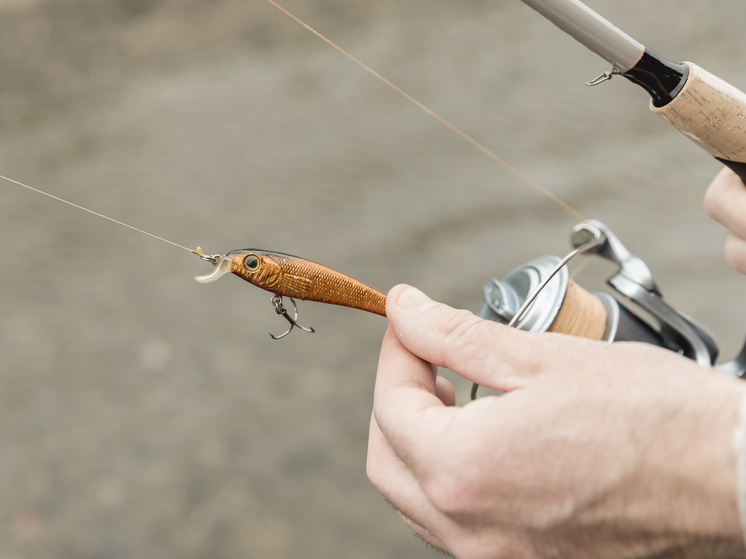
{"x":540,"y":297}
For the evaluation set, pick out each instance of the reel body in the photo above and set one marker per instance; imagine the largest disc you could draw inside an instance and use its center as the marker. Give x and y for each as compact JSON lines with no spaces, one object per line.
{"x":563,"y":306}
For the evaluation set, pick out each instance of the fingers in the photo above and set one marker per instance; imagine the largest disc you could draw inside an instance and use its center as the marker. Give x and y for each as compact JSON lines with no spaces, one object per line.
{"x":407,"y":393}
{"x":725,"y":202}
{"x":482,"y":351}
{"x":406,"y":405}
{"x":444,"y":391}
{"x":397,"y":484}
{"x":735,"y":252}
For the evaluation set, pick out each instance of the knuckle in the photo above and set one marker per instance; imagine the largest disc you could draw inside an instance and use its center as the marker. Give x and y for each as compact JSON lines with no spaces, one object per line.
{"x":735,"y":253}
{"x":374,"y":473}
{"x":725,"y":202}
{"x":442,"y":493}
{"x":375,"y":468}
{"x":712,"y":202}
{"x":489,"y":349}
{"x":450,"y":493}
{"x":463,"y":330}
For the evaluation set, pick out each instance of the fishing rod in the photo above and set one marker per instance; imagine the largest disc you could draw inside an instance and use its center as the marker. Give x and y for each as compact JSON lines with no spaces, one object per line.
{"x":540,"y":296}
{"x":703,"y":107}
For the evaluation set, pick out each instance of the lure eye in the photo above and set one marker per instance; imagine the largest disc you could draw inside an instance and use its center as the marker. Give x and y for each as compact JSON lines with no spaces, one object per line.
{"x":251,"y":263}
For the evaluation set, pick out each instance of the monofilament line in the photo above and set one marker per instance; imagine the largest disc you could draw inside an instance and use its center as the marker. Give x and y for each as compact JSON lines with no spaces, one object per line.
{"x":98,"y":214}
{"x":564,"y":205}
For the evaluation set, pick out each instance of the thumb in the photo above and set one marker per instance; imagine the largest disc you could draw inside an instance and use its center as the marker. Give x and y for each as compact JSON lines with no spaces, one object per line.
{"x":483,"y":351}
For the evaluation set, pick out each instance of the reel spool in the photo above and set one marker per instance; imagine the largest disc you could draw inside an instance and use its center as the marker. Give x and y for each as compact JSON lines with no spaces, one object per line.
{"x":560,"y":305}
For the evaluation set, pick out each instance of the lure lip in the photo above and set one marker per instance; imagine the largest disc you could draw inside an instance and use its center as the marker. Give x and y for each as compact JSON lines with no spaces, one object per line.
{"x":222,"y":267}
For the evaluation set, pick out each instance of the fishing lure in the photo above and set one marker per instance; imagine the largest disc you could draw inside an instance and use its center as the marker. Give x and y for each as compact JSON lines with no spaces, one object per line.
{"x":289,"y":276}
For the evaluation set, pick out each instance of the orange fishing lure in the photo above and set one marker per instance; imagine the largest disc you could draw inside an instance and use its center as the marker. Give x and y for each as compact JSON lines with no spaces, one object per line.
{"x":289,"y":276}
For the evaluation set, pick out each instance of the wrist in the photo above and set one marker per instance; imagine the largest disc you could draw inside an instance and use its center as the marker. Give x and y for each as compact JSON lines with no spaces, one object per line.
{"x":684,"y":489}
{"x":739,"y":456}
{"x":709,"y":483}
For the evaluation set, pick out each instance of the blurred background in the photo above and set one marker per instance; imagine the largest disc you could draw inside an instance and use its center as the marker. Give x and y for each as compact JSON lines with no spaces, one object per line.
{"x":145,"y":415}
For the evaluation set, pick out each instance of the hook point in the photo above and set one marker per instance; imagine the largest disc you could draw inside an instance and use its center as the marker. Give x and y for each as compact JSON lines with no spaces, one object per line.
{"x":281,"y":310}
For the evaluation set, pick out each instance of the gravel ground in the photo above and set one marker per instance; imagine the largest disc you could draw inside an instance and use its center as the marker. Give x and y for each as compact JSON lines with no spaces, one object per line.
{"x":145,"y":415}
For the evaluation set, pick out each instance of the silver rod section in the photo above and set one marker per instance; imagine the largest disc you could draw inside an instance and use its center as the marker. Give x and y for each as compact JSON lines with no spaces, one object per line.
{"x":593,"y":31}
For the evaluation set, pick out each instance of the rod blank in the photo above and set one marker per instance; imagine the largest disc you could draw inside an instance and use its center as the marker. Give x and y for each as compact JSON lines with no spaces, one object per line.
{"x":593,"y":31}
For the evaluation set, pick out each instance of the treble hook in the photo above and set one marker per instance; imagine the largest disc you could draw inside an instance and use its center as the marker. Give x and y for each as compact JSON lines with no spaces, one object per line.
{"x":281,"y":310}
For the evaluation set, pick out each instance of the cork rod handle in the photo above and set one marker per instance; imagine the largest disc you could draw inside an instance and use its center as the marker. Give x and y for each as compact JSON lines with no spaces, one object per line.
{"x":712,"y":113}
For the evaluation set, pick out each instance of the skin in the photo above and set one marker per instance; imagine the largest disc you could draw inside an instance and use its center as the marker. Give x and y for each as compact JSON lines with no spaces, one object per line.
{"x":725,"y":202}
{"x":594,"y":451}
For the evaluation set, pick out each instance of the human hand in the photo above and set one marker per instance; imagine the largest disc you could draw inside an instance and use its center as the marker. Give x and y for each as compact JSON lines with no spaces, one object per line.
{"x":595,"y":451}
{"x":725,"y":202}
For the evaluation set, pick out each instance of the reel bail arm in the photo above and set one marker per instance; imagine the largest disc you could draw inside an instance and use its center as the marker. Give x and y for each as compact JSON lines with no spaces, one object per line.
{"x":635,"y":281}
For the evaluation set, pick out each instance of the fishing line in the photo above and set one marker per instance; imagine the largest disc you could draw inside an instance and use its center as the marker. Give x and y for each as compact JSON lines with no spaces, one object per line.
{"x":564,"y":205}
{"x":98,"y":214}
{"x":579,"y":268}
{"x":400,"y":91}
